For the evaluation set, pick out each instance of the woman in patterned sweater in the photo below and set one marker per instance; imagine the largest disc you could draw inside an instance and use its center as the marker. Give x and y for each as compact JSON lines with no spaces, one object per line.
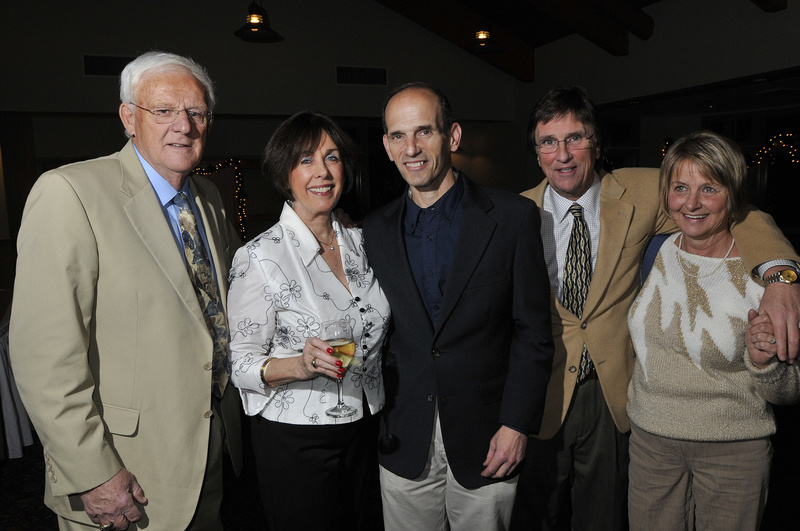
{"x":699,"y":400}
{"x":314,"y":470}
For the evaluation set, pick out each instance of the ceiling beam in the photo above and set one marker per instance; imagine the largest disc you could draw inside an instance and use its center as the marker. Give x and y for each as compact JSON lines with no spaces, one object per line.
{"x":629,"y":17}
{"x":587,"y":22}
{"x":456,"y":23}
{"x":771,"y":6}
{"x":605,"y":23}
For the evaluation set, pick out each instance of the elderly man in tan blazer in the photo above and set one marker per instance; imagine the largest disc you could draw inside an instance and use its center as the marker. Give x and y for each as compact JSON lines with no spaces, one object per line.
{"x":580,"y":456}
{"x":110,"y":346}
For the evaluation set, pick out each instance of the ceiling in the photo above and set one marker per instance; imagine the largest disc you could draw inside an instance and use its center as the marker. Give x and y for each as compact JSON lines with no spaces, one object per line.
{"x":776,"y":91}
{"x":518,"y":27}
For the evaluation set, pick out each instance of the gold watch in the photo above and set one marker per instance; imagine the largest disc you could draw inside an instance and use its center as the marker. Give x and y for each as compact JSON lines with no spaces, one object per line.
{"x":787,"y":276}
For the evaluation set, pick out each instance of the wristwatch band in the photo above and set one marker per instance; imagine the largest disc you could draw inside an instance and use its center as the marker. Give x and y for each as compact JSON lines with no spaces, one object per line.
{"x":787,"y":276}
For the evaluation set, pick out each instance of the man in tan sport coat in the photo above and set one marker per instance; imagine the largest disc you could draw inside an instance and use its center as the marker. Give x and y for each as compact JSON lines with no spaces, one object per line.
{"x":109,"y":344}
{"x":581,"y":450}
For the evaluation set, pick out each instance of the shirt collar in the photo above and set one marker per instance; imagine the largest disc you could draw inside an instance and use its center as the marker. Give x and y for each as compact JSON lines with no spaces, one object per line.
{"x":445,"y":206}
{"x":163,"y":189}
{"x":589,"y":201}
{"x":307,"y":245}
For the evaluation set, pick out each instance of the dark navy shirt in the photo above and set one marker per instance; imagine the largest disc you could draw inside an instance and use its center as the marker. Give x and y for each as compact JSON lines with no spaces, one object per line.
{"x":430,"y":235}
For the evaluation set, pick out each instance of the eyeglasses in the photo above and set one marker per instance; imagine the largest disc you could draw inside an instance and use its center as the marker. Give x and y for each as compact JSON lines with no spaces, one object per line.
{"x":573,"y":142}
{"x":168,"y":116}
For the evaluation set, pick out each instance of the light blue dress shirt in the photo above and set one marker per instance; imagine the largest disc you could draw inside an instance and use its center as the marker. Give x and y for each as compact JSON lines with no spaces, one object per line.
{"x":166,"y":193}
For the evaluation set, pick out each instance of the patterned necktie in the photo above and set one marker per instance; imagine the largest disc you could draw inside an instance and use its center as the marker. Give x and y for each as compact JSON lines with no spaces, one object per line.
{"x":577,"y":276}
{"x":206,"y":289}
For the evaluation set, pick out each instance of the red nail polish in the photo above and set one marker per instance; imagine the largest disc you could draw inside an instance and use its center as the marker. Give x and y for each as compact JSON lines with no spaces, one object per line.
{"x":338,"y":363}
{"x":330,"y":351}
{"x":341,"y":370}
{"x":339,"y":375}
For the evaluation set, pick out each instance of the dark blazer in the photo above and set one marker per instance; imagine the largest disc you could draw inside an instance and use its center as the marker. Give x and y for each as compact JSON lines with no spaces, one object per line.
{"x":488,"y":362}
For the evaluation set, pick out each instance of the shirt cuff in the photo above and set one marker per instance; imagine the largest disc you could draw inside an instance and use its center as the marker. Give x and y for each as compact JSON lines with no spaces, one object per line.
{"x":762,"y":268}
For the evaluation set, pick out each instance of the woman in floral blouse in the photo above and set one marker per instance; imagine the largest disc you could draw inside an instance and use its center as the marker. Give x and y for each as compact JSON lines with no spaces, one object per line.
{"x":315,"y":471}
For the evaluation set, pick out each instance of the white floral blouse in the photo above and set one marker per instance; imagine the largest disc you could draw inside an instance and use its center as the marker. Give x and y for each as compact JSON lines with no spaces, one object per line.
{"x":281,"y":289}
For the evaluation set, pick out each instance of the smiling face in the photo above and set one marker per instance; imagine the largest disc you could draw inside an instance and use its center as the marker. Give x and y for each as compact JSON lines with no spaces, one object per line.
{"x":698,"y":204}
{"x":173,"y":150}
{"x":569,"y":171}
{"x":415,"y":142}
{"x":316,"y":181}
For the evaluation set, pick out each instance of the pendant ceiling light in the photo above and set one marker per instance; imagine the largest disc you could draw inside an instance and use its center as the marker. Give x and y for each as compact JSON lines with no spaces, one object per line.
{"x":257,"y":27}
{"x":483,"y":42}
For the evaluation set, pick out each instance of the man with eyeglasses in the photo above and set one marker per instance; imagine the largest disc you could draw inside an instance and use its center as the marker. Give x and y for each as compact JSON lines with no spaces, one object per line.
{"x":576,"y":473}
{"x":118,"y":334}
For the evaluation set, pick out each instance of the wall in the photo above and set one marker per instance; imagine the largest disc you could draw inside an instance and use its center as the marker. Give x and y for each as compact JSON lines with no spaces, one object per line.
{"x":42,"y":46}
{"x":694,"y":43}
{"x":50,"y":38}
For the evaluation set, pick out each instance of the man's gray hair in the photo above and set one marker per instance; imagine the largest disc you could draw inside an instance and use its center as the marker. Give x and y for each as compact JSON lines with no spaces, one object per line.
{"x":155,"y":62}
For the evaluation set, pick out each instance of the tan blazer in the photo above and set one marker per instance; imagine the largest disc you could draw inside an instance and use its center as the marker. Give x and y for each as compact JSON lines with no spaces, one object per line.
{"x":108,"y":343}
{"x":629,"y":215}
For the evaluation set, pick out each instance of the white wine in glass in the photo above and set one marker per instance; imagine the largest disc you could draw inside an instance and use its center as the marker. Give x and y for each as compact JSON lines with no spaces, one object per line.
{"x":339,"y":336}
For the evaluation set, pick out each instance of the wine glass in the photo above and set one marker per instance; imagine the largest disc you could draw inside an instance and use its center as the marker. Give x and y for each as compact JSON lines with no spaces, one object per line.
{"x":339,"y":336}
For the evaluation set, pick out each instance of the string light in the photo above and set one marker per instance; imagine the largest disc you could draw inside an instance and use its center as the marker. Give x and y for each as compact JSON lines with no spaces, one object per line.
{"x":237,"y":192}
{"x":780,"y":142}
{"x":665,"y":147}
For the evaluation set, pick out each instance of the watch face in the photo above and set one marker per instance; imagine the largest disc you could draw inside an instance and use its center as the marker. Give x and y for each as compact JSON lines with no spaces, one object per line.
{"x":789,"y":275}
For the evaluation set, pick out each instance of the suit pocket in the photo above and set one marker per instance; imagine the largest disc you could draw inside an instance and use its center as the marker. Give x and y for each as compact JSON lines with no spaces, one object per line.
{"x":120,"y":420}
{"x":492,"y":390}
{"x":490,"y":279}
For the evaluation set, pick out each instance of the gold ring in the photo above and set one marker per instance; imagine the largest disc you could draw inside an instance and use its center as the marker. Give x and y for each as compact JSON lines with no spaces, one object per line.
{"x":314,"y":362}
{"x":772,"y":341}
{"x":108,"y":527}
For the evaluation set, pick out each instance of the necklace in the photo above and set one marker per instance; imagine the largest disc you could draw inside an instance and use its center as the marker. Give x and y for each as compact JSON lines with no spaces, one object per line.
{"x":680,"y":258}
{"x":330,"y":245}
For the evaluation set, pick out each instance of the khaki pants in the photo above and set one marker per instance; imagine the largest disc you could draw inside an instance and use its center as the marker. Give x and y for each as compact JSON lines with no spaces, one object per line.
{"x":718,"y":485}
{"x":436,"y":502}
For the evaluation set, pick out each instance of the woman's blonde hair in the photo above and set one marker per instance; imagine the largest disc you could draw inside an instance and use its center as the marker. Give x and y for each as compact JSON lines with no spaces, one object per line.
{"x":716,"y":157}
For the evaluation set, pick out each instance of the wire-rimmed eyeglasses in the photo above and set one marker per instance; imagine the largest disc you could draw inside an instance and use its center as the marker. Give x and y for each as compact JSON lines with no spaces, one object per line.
{"x":573,"y":142}
{"x":167,"y":116}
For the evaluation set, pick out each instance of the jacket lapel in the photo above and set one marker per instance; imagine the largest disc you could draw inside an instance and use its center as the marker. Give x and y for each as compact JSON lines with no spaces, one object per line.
{"x":473,"y":238}
{"x":216,"y":241}
{"x":394,"y":255}
{"x":615,"y":219}
{"x":147,"y":219}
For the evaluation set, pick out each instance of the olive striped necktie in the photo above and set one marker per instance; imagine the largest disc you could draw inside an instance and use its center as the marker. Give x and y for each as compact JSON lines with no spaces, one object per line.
{"x":578,"y":276}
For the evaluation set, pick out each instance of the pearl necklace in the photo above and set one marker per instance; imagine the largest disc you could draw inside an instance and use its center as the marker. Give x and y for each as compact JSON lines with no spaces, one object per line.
{"x":716,"y":268}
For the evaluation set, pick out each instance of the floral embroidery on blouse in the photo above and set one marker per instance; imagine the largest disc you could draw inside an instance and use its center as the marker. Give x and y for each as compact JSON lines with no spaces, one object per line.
{"x":281,"y":290}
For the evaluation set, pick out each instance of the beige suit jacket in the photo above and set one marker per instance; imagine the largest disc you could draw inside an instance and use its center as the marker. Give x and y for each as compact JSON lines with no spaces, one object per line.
{"x":629,"y":215}
{"x":108,"y":343}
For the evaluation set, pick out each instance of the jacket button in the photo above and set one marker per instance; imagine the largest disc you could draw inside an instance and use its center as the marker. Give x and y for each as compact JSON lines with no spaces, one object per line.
{"x":357,"y":299}
{"x":430,"y":398}
{"x":362,"y":310}
{"x":207,"y":366}
{"x":208,"y":414}
{"x":435,"y":353}
{"x":583,"y":326}
{"x":573,"y":368}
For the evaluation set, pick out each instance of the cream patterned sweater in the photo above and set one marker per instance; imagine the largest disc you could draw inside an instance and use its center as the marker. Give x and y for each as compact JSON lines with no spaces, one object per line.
{"x":693,"y":379}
